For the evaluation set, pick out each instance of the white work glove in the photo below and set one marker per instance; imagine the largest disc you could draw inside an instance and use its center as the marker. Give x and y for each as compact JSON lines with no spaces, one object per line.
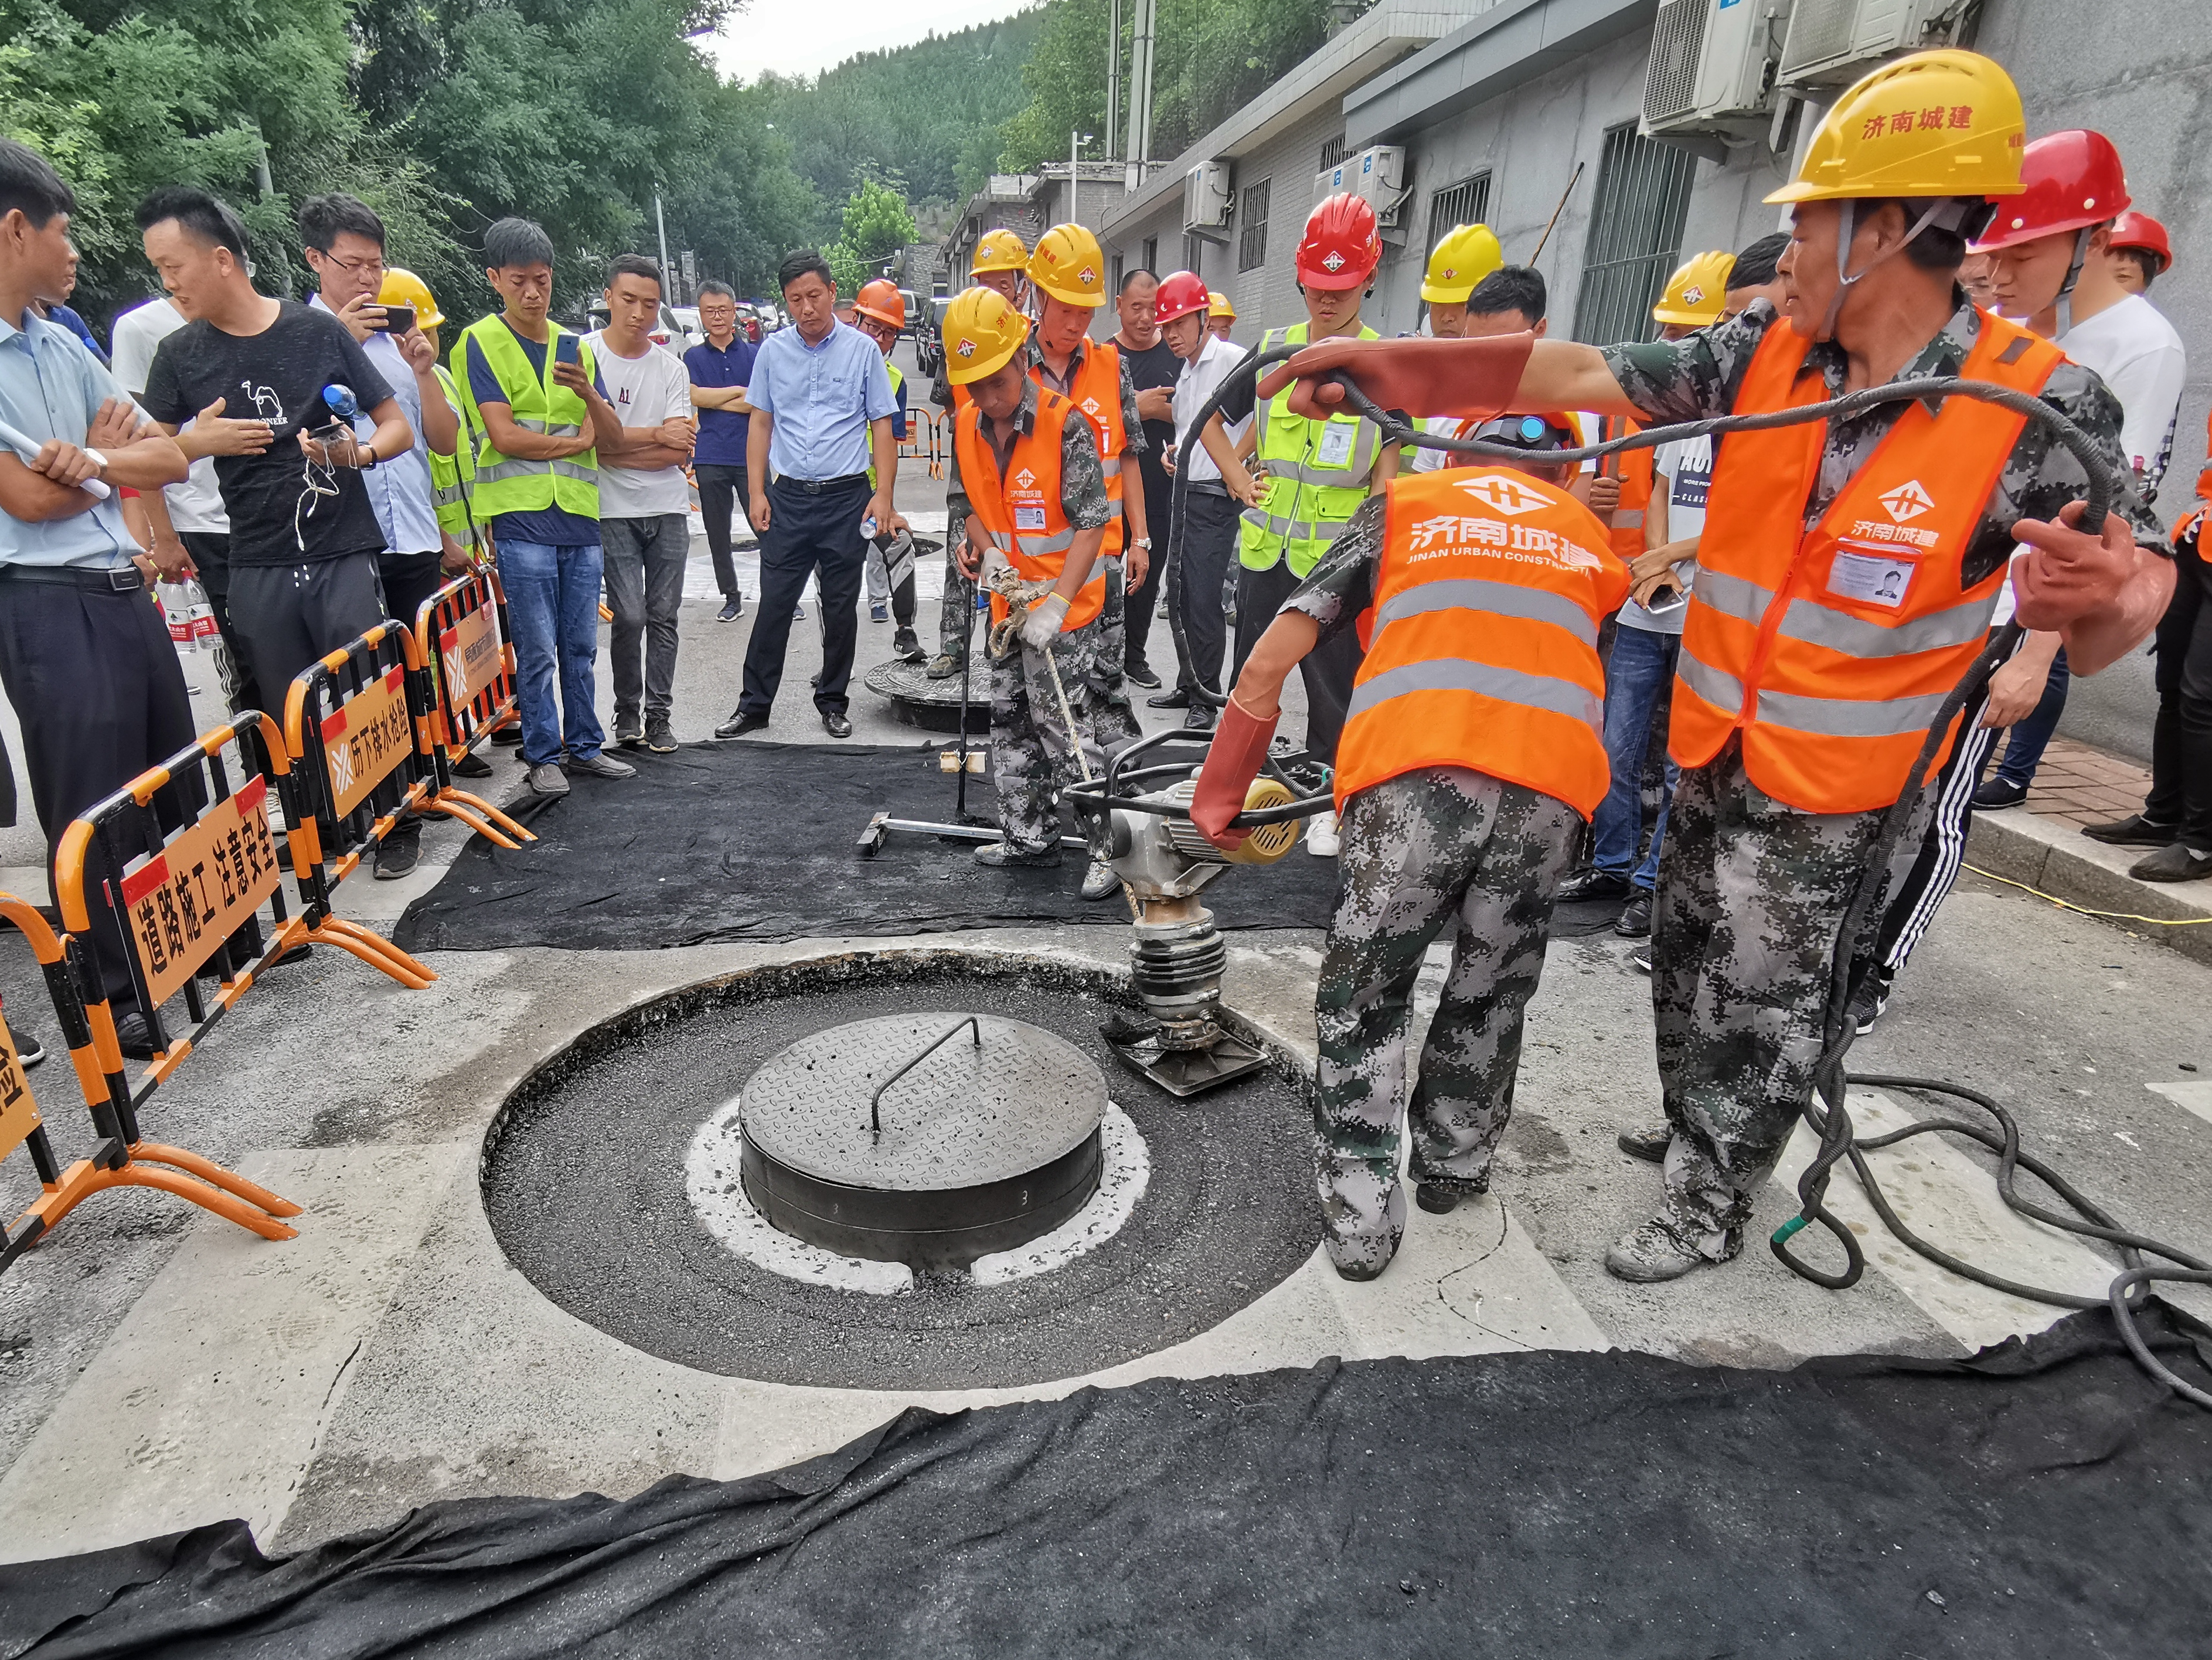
{"x":1043,"y":623}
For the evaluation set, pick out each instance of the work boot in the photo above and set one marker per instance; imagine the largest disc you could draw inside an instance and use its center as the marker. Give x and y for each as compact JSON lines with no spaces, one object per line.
{"x":998,"y":855}
{"x":1593,"y":885}
{"x":1321,"y":839}
{"x":1099,"y":881}
{"x":2133,"y":832}
{"x":1649,"y":1144}
{"x":1658,"y":1250}
{"x":905,"y":646}
{"x":2174,"y":862}
{"x":943,"y":666}
{"x":601,"y":765}
{"x":1441,"y":1197}
{"x":659,"y":736}
{"x":546,"y":779}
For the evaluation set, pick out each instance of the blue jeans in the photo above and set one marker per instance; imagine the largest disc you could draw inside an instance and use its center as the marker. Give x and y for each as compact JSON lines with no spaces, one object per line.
{"x":1641,"y":664}
{"x":553,"y":609}
{"x":2029,"y":738}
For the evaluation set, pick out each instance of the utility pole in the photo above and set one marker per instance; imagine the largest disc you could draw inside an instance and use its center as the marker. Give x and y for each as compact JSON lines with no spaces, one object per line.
{"x":1113,"y":74}
{"x":1074,"y":148}
{"x":660,"y":223}
{"x":1140,"y":95}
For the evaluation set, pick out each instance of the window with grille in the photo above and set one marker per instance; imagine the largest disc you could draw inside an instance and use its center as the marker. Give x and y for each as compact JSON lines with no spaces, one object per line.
{"x":1462,"y":204}
{"x":1635,"y":235}
{"x":1332,"y":152}
{"x":1252,"y":232}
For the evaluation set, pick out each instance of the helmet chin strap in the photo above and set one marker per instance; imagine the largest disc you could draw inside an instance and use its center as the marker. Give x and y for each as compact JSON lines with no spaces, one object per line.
{"x":1846,"y":277}
{"x":2065,"y":302}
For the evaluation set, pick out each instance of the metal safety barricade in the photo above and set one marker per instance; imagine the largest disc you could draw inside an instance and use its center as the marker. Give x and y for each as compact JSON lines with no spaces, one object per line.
{"x":466,"y":665}
{"x":351,"y":736}
{"x":122,"y":1158}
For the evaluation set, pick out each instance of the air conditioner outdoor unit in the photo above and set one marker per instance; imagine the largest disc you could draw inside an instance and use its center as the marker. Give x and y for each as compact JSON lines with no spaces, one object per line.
{"x":1831,"y":43}
{"x":1711,"y":68}
{"x":1206,"y":196}
{"x":1378,"y":179}
{"x":1332,"y":182}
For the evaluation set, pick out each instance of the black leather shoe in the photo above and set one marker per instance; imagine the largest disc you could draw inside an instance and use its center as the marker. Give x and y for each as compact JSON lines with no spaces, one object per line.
{"x":740,"y":723}
{"x":2172,"y":863}
{"x":1177,"y":699}
{"x":2133,"y":832}
{"x":1635,"y":918}
{"x":1437,"y":1201}
{"x":133,"y":1037}
{"x":835,"y":723}
{"x":1593,"y":885}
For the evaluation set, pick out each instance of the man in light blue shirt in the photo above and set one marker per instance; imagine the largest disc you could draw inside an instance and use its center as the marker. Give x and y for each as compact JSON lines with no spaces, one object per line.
{"x":84,"y":657}
{"x":822,"y":405}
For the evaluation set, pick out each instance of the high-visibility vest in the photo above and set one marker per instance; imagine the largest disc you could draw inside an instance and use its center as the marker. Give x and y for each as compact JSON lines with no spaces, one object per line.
{"x":505,"y":483}
{"x":1096,"y":392}
{"x":1315,"y":472}
{"x":1481,"y":646}
{"x":897,"y":381}
{"x":1022,"y":512}
{"x":453,"y":477}
{"x":2189,"y":521}
{"x":1637,"y":477}
{"x":1830,"y":650}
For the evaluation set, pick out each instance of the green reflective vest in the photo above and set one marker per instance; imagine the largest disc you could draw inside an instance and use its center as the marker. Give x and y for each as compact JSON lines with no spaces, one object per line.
{"x":504,"y":483}
{"x":453,"y":477}
{"x":897,"y":381}
{"x":1317,"y":474}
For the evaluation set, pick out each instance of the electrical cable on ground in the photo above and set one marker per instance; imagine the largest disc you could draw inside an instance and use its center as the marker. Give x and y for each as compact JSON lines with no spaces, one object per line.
{"x":1826,"y":1111}
{"x":2084,"y":911}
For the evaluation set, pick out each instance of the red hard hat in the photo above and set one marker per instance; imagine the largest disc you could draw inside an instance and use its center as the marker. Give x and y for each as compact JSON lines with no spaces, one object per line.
{"x":1341,"y":247}
{"x":2071,"y":181}
{"x":1181,"y":294}
{"x":2145,"y":234}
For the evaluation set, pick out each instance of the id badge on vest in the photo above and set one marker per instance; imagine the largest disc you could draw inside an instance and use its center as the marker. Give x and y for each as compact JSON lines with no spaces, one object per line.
{"x":1872,"y":577}
{"x":1029,"y":518}
{"x":1336,"y":441}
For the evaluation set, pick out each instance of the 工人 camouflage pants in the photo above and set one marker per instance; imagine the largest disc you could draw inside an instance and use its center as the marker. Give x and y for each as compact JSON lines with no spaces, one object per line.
{"x":1425,"y":851}
{"x":1111,"y":717}
{"x":1752,"y":895}
{"x":956,"y":612}
{"x":1031,"y":756}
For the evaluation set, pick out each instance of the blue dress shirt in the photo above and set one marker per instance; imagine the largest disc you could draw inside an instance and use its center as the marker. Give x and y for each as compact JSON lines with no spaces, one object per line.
{"x":50,"y":388}
{"x":823,"y":399}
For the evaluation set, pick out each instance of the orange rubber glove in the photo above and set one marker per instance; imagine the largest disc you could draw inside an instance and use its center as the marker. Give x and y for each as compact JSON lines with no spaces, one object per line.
{"x":1474,"y":379}
{"x":1239,"y":745}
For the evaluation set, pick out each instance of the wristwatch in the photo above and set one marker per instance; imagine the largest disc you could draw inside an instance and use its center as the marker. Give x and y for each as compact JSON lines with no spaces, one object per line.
{"x":1145,"y":542}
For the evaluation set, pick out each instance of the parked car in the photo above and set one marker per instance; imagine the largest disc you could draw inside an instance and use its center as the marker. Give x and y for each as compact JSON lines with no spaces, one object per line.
{"x":679,"y":329}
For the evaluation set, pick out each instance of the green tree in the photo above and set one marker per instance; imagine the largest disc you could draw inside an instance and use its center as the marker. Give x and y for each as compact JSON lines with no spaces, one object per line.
{"x":877,"y":222}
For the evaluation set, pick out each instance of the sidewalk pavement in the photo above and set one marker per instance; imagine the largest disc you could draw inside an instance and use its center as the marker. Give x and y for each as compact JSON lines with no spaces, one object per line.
{"x":2041,"y":845}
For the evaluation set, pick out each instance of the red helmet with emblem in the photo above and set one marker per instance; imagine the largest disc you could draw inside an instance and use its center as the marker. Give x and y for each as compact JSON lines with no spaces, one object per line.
{"x":1181,"y":294}
{"x":2144,"y":234}
{"x":1342,"y":244}
{"x":2070,"y":182}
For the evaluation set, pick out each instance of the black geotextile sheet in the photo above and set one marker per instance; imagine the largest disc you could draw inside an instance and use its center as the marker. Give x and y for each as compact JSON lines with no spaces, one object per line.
{"x":2044,"y":1498}
{"x":752,"y":841}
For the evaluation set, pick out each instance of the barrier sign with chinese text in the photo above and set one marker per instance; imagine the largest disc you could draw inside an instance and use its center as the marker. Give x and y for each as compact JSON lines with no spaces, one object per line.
{"x":199,"y":890}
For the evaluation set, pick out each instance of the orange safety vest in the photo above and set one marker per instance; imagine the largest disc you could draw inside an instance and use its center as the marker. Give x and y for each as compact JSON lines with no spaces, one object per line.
{"x":1830,"y":650}
{"x":2188,"y":520}
{"x":1096,"y":390}
{"x":1022,"y":512}
{"x":1637,"y":478}
{"x":1481,"y":646}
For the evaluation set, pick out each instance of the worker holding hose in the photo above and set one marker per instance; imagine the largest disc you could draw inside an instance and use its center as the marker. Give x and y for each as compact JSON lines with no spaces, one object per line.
{"x":1848,"y":570}
{"x":1027,"y":486}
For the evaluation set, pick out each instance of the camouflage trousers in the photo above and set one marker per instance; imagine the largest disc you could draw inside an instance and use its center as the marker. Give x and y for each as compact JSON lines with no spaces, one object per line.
{"x":1031,"y":756}
{"x":956,"y":612}
{"x":1425,"y":851}
{"x":1752,"y":895}
{"x":1111,"y":715}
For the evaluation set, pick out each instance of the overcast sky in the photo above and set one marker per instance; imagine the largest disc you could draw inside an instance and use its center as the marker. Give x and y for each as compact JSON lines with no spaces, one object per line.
{"x":805,"y":37}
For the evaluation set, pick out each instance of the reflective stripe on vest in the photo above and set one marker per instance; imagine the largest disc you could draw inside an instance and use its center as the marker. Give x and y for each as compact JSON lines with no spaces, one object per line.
{"x":1482,"y":646}
{"x":1306,"y":502}
{"x":1830,"y":650}
{"x":1096,"y":390}
{"x":1638,"y":477}
{"x":507,"y":484}
{"x":453,"y":477}
{"x":1031,"y":489}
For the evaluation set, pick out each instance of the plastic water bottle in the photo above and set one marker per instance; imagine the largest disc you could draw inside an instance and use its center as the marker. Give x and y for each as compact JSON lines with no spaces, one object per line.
{"x":190,"y":615}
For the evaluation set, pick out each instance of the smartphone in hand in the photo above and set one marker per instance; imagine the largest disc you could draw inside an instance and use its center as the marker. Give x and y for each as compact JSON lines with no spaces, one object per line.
{"x":568,"y":348}
{"x":398,"y":319}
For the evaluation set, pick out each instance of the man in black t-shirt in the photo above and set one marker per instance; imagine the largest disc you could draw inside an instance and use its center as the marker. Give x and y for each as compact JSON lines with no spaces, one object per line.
{"x":1152,"y":371}
{"x":250,"y":373}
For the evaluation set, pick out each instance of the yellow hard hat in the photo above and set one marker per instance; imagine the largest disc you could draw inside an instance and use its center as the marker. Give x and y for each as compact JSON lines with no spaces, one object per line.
{"x":1932,"y":123}
{"x":1466,"y":255}
{"x":405,"y":287}
{"x":1069,"y":266}
{"x":1694,"y":293}
{"x":999,"y":250}
{"x":981,"y":330}
{"x":1217,"y":305}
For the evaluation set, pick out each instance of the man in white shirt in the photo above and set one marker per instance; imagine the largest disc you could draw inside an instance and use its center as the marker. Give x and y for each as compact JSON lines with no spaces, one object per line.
{"x":1218,"y":485}
{"x":644,"y":527}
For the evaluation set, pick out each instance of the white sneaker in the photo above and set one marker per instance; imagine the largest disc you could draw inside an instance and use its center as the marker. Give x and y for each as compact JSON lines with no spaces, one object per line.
{"x":1321,"y":835}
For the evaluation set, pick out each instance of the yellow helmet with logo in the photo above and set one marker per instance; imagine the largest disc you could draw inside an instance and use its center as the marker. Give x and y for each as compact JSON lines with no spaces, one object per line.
{"x":1694,"y":294}
{"x":982,"y":331}
{"x":1466,"y":255}
{"x":1931,"y":123}
{"x":999,"y":250}
{"x":1218,"y":304}
{"x":1069,"y":266}
{"x":405,"y":287}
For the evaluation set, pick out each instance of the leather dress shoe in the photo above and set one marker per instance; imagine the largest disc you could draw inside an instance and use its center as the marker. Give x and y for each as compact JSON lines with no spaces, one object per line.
{"x":1177,"y":699}
{"x":835,"y":722}
{"x":740,"y":723}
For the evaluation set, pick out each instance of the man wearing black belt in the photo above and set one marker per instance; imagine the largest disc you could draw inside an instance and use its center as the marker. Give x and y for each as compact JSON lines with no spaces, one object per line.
{"x":822,"y":406}
{"x":84,"y":655}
